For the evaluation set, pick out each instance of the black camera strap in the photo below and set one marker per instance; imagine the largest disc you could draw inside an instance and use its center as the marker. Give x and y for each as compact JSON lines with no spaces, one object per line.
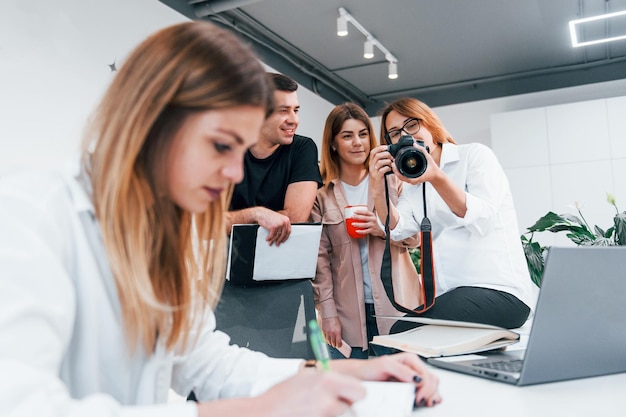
{"x":427,"y":268}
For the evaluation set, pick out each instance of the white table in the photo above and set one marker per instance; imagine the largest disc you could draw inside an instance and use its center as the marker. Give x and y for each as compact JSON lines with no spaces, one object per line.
{"x":466,"y":395}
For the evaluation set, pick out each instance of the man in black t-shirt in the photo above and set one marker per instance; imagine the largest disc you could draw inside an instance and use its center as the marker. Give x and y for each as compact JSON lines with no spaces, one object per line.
{"x":281,"y":172}
{"x":281,"y":178}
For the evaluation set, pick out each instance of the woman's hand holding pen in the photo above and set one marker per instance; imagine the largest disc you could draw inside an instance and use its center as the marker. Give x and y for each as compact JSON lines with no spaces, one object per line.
{"x":306,"y":394}
{"x":403,"y":367}
{"x":327,"y":394}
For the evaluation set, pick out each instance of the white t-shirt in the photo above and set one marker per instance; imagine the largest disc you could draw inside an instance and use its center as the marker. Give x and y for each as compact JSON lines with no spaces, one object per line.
{"x":357,"y":194}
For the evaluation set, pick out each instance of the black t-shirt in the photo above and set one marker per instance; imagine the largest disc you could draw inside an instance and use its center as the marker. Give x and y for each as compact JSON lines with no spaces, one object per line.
{"x":265,"y":181}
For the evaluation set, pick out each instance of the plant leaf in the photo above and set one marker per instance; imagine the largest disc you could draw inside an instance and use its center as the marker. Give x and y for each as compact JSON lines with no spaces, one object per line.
{"x":620,"y":228}
{"x":415,"y":254}
{"x":576,"y":232}
{"x":570,"y":218}
{"x":582,"y":231}
{"x":534,"y":261}
{"x":601,"y":242}
{"x":560,"y":228}
{"x":547,"y":221}
{"x":580,"y":239}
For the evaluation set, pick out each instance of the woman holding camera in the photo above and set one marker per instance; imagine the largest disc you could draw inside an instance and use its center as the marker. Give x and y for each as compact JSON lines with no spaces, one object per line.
{"x":480,"y":269}
{"x":347,"y":287}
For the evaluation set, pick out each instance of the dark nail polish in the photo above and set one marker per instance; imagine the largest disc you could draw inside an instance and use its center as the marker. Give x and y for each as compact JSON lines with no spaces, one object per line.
{"x":417,"y":379}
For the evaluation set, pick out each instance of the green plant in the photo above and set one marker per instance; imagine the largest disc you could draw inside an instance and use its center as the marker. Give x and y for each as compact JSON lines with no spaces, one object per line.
{"x":415,"y":257}
{"x":578,"y":231}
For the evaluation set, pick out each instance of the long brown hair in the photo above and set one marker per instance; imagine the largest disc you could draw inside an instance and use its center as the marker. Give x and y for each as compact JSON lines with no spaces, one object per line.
{"x":329,"y":164}
{"x":412,"y":107}
{"x":163,"y":258}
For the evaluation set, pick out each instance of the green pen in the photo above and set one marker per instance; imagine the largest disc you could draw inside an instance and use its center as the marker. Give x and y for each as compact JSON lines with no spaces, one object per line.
{"x":318,"y":344}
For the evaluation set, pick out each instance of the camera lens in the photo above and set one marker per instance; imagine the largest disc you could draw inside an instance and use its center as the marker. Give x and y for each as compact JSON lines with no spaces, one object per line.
{"x":410,"y":162}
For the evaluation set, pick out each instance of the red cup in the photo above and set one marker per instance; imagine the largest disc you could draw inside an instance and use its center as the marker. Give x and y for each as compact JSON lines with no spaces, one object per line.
{"x":349,"y":212}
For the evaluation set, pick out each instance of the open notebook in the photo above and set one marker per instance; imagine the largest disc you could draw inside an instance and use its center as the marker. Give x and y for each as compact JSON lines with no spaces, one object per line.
{"x":579,"y":326}
{"x":446,"y":337}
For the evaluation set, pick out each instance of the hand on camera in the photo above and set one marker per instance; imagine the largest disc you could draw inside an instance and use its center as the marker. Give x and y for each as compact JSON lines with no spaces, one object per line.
{"x":422,"y":170}
{"x":380,"y":163}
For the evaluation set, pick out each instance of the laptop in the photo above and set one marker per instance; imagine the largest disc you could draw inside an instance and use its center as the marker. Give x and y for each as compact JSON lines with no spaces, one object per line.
{"x":579,"y":325}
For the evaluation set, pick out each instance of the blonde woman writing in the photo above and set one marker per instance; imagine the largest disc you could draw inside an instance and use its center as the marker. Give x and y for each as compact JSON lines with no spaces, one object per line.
{"x":105,"y":290}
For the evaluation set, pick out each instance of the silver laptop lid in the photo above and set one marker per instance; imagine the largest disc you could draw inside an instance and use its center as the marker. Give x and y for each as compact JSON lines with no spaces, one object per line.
{"x":579,"y":327}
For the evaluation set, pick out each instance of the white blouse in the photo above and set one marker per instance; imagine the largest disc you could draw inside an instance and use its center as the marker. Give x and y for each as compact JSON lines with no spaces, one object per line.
{"x":62,"y":347}
{"x":483,"y":249}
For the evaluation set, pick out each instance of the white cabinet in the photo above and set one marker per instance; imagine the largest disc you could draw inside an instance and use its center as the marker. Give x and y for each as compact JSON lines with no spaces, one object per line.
{"x":616,"y":111}
{"x":558,"y":155}
{"x":578,"y":132}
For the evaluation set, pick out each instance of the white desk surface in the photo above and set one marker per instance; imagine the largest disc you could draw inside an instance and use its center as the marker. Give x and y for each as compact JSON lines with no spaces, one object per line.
{"x":466,"y":395}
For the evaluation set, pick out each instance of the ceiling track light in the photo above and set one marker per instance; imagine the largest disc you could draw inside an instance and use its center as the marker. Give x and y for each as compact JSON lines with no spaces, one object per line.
{"x":342,"y":26}
{"x":368,"y":49}
{"x":393,"y":70}
{"x":370,"y":41}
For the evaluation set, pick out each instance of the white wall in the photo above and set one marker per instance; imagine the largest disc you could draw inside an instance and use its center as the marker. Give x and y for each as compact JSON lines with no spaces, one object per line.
{"x":313,"y":112}
{"x":471,"y":122}
{"x":54,"y":66}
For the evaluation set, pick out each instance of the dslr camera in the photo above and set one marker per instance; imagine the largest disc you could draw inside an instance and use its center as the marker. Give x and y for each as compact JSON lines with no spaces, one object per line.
{"x":410,"y":162}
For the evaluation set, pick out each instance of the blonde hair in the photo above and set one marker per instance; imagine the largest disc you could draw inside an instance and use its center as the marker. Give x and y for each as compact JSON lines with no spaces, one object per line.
{"x":158,"y":269}
{"x":412,"y":107}
{"x":329,"y":164}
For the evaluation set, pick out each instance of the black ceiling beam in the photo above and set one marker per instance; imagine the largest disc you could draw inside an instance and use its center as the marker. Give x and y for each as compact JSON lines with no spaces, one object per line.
{"x":515,"y":84}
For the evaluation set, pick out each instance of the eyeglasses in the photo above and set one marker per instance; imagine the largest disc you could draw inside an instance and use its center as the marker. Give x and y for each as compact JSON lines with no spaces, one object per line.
{"x":412,"y":126}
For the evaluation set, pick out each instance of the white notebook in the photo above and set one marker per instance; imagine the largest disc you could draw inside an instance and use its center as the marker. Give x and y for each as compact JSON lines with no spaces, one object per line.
{"x":384,"y":399}
{"x":251,"y":258}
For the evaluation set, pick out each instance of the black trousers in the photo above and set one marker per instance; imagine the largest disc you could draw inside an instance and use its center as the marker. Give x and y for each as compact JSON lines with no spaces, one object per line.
{"x":475,"y":304}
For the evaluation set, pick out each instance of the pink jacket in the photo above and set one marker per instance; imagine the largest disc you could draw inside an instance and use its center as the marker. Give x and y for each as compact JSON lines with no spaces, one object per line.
{"x":338,"y":284}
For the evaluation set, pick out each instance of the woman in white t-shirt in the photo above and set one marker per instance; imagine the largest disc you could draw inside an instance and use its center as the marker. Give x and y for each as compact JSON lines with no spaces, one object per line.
{"x":480,"y":268}
{"x":347,"y":287}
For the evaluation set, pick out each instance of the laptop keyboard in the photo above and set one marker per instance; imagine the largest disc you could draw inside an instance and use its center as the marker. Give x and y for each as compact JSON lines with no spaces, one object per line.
{"x":507,"y":366}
